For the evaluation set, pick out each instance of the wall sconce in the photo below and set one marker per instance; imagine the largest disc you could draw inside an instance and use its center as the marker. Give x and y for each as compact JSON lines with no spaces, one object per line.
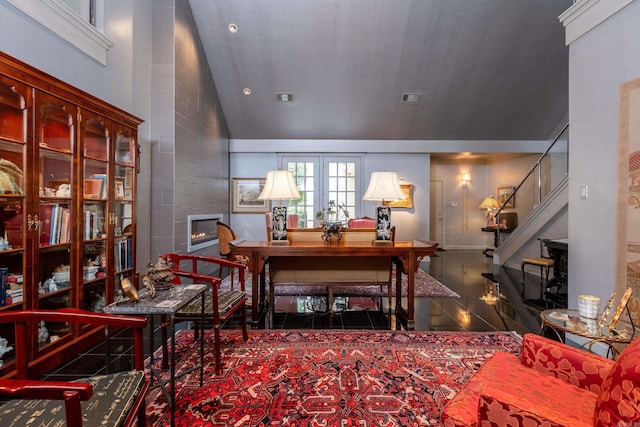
{"x":465,"y":178}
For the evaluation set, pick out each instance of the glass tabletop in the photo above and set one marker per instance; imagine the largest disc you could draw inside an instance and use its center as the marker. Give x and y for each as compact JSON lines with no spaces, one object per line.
{"x":569,"y":320}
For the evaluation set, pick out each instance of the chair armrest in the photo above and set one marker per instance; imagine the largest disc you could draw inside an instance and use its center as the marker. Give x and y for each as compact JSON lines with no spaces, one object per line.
{"x":578,"y":367}
{"x":20,"y":319}
{"x":500,"y":407}
{"x":37,"y":389}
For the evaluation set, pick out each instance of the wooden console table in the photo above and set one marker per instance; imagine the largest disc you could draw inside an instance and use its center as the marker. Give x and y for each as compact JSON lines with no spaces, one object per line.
{"x":407,"y":256}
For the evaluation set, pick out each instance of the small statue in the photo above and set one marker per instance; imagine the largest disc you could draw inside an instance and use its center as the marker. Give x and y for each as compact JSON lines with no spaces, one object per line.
{"x":51,"y":285}
{"x":99,"y":304}
{"x":43,"y":333}
{"x":148,"y":283}
{"x":4,"y":348}
{"x":159,"y":277}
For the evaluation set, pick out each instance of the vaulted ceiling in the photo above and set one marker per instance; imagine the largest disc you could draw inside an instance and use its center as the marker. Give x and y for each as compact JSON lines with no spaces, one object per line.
{"x":483,"y":69}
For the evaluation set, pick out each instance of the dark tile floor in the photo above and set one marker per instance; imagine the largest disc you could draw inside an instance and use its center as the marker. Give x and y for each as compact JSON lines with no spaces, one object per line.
{"x":468,"y":273}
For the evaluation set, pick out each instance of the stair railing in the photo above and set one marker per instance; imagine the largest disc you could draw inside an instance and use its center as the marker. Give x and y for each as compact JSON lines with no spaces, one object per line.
{"x":550,"y":168}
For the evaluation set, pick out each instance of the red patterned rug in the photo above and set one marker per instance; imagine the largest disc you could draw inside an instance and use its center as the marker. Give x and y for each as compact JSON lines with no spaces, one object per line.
{"x":326,"y":378}
{"x":425,"y":286}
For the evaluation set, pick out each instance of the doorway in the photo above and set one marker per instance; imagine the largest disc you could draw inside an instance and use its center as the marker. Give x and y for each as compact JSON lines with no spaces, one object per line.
{"x":436,"y":211}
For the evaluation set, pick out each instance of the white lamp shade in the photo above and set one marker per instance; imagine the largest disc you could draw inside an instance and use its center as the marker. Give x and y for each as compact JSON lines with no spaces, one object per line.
{"x":384,"y":186}
{"x":279,"y":185}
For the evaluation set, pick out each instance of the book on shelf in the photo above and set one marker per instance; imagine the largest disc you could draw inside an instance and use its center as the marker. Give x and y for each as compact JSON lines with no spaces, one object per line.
{"x":103,"y":187}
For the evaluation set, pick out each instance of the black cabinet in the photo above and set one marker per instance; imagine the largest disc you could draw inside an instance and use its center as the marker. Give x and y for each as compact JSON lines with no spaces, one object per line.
{"x":556,"y":292}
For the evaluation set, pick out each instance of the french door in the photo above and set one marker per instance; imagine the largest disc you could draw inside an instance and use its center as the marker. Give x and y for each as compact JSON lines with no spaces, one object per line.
{"x":321,"y":179}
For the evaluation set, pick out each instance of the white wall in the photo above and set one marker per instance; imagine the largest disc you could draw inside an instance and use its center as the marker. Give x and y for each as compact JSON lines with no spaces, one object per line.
{"x":413,"y":168}
{"x":599,"y":62}
{"x":463,"y":222}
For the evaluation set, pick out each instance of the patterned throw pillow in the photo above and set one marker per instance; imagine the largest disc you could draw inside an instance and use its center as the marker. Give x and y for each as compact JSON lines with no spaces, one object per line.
{"x":619,"y":399}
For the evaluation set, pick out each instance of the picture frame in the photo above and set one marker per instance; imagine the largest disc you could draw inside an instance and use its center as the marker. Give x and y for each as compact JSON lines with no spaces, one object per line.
{"x":244,"y":196}
{"x":119,"y":189}
{"x":407,"y":190}
{"x":621,"y":306}
{"x":503,"y":195}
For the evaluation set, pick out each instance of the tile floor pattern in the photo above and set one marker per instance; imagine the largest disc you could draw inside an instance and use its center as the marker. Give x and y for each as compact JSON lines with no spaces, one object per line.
{"x":463,"y":271}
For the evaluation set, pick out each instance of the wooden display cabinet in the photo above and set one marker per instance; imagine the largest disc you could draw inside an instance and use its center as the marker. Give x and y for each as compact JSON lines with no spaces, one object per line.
{"x":67,"y":206}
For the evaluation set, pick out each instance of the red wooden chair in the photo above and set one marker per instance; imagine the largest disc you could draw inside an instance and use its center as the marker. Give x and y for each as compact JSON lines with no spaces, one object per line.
{"x":111,"y":400}
{"x":220,"y":306}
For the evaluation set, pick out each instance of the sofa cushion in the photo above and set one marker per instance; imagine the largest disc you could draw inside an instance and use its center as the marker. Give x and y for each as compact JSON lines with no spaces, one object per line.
{"x":112,"y":400}
{"x":503,"y":371}
{"x":619,"y":399}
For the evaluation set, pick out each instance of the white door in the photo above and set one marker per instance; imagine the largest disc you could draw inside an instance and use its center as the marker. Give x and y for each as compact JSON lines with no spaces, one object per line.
{"x":436,"y":207}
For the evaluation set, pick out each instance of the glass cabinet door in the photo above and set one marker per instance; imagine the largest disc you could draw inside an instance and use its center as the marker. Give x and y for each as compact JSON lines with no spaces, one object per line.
{"x":15,"y":102}
{"x":54,"y":168}
{"x":123,"y":213}
{"x":97,"y":183}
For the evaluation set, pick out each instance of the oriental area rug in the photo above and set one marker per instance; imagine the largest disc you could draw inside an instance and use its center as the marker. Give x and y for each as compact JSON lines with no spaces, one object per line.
{"x":425,"y":286}
{"x":325,"y":378}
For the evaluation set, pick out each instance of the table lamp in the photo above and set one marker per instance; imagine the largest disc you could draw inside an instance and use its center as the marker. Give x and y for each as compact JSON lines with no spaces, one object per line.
{"x":490,"y":204}
{"x":279,"y":185}
{"x":383,"y":186}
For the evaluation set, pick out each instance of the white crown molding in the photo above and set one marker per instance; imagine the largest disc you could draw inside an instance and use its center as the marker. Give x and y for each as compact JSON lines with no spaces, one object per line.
{"x":585,"y":15}
{"x":57,"y":17}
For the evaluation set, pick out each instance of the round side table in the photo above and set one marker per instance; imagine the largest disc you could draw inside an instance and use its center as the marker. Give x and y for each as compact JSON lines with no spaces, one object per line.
{"x":561,"y":321}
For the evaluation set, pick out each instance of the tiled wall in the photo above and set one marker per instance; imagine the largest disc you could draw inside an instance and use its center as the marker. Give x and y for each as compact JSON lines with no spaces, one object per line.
{"x":190,"y":144}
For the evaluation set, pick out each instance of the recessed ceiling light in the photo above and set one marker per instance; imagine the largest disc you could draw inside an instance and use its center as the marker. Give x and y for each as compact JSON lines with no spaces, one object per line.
{"x":411,"y":98}
{"x":233,"y":28}
{"x":285,"y":97}
{"x":246,"y":91}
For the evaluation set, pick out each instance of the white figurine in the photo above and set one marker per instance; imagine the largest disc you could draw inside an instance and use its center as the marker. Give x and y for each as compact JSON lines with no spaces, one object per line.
{"x":51,"y":285}
{"x":43,"y":333}
{"x":4,"y":348}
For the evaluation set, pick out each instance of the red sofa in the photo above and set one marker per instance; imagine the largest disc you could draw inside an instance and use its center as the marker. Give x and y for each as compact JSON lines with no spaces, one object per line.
{"x":551,"y":384}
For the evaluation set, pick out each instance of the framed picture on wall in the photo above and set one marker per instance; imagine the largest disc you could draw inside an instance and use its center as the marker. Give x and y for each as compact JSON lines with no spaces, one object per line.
{"x":407,"y":190}
{"x":244,"y":195}
{"x":503,"y":195}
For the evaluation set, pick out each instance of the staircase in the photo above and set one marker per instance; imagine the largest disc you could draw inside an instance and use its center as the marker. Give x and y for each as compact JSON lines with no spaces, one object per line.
{"x":550,"y":214}
{"x":548,"y":218}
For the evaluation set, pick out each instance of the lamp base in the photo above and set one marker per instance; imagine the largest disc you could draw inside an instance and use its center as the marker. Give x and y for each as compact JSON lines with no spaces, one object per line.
{"x":382,"y":242}
{"x":279,"y":242}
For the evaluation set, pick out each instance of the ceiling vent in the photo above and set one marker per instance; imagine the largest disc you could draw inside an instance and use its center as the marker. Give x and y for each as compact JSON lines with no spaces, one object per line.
{"x":285,"y":97}
{"x":411,"y":98}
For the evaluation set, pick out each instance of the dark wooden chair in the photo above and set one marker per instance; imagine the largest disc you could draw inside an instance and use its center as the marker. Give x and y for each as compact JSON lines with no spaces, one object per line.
{"x":111,"y":400}
{"x":220,"y":306}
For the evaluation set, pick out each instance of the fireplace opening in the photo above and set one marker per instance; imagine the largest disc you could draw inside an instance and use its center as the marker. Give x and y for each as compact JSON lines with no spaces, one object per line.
{"x":202,"y":231}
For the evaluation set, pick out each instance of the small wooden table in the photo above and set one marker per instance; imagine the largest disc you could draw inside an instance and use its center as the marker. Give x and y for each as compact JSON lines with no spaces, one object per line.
{"x":558,"y":320}
{"x":165,"y":303}
{"x":406,"y":254}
